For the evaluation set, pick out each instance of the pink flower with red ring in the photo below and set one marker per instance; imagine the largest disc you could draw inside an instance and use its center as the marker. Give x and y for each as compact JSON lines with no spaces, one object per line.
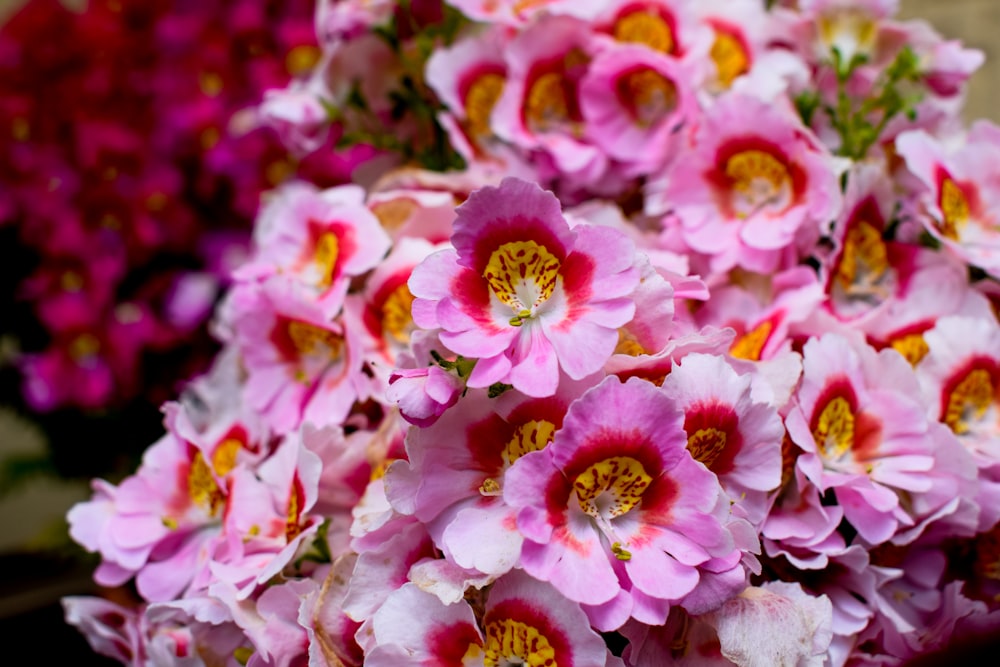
{"x":746,"y":50}
{"x":540,"y":105}
{"x":517,"y":604}
{"x":864,"y":271}
{"x":958,"y":198}
{"x":163,"y":534}
{"x":301,"y":366}
{"x":523,"y":293}
{"x":861,"y":422}
{"x":268,"y":516}
{"x":937,"y":290}
{"x":764,"y":319}
{"x":960,"y":377}
{"x":757,"y":189}
{"x":615,"y":512}
{"x":732,"y":435}
{"x":524,"y":621}
{"x":388,"y":300}
{"x":453,"y":483}
{"x":318,"y":239}
{"x":469,"y":77}
{"x":414,"y":627}
{"x":634,"y":102}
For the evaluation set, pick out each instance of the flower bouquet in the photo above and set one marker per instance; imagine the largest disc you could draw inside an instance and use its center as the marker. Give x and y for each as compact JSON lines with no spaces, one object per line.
{"x":658,"y":332}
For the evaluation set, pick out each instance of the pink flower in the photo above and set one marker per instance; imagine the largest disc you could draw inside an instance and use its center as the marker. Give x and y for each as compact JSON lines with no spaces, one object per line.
{"x":301,"y":366}
{"x":617,"y":515}
{"x":861,"y":422}
{"x":732,"y":435}
{"x":423,"y":394}
{"x":756,"y":188}
{"x":523,"y":293}
{"x":635,"y":102}
{"x":540,"y":105}
{"x":959,"y":193}
{"x":318,"y":239}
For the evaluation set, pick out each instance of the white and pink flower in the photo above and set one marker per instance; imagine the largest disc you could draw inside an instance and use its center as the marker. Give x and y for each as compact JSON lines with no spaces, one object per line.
{"x":523,"y":293}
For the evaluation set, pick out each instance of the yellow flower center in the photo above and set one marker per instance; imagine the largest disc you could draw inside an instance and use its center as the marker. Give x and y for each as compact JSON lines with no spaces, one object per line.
{"x":834,"y":430}
{"x":730,"y":58}
{"x":758,"y":179}
{"x":751,"y":344}
{"x":647,"y":94}
{"x":310,"y":339}
{"x":397,"y":314}
{"x":612,"y":487}
{"x":912,"y":346}
{"x":480,"y":99}
{"x":301,"y":59}
{"x":510,"y":642}
{"x":627,"y":344}
{"x":645,"y":27}
{"x":522,"y":274}
{"x":224,"y":456}
{"x":202,"y":488}
{"x":84,"y":347}
{"x":954,"y":209}
{"x":706,"y":444}
{"x":547,"y":104}
{"x":325,"y":256}
{"x":530,"y":436}
{"x":969,"y":400}
{"x":211,"y":84}
{"x":292,"y":517}
{"x":864,"y":260}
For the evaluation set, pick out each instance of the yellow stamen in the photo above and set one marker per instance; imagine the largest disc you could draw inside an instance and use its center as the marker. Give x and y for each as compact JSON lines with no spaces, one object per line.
{"x":326,"y":254}
{"x":706,"y":444}
{"x":641,"y":27}
{"x":730,"y":58}
{"x":758,"y":177}
{"x":954,"y":208}
{"x":397,"y":316}
{"x":546,"y":105}
{"x":834,"y":431}
{"x":969,"y":400}
{"x":480,"y":99}
{"x":612,"y":487}
{"x":750,"y":345}
{"x":530,"y":436}
{"x":649,"y":95}
{"x":912,"y":346}
{"x":310,"y":339}
{"x":522,"y":274}
{"x":865,"y":254}
{"x":510,"y":642}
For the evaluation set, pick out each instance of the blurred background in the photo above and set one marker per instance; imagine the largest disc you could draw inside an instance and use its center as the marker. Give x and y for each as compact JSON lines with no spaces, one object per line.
{"x":52,"y":441}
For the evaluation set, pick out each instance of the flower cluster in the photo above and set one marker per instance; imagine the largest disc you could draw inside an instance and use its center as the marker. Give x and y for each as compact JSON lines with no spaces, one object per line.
{"x":665,"y":333}
{"x":133,"y":162}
